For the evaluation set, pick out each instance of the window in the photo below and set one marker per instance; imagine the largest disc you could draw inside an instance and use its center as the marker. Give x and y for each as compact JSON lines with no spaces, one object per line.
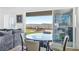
{"x":62,"y":25}
{"x":38,"y":22}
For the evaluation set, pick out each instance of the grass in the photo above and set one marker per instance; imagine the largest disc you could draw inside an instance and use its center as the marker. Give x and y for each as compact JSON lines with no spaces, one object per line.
{"x":30,"y":31}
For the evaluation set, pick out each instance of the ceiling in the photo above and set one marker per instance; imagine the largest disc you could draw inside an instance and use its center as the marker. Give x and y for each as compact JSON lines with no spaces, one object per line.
{"x":31,"y":9}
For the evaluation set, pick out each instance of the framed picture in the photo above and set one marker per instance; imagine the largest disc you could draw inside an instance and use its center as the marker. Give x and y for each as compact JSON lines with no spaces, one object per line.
{"x":19,"y":18}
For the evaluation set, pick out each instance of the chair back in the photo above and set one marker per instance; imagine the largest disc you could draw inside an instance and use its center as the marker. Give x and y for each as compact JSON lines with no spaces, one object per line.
{"x":30,"y":45}
{"x":65,"y":42}
{"x":23,"y":37}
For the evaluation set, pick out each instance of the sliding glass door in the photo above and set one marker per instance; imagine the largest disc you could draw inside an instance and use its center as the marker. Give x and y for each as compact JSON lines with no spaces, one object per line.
{"x":62,"y":25}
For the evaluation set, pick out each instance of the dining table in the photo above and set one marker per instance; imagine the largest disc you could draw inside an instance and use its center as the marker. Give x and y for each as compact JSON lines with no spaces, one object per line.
{"x":41,"y":37}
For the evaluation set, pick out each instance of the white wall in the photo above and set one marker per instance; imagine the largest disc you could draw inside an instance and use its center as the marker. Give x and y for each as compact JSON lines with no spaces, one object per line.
{"x":13,"y":11}
{"x":1,"y":19}
{"x":77,"y":28}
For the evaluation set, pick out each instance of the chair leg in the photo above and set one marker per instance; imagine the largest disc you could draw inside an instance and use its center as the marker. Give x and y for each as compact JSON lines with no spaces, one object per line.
{"x":39,"y":47}
{"x":22,"y":48}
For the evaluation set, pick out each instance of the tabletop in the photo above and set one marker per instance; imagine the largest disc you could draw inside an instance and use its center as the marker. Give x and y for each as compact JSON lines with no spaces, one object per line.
{"x":39,"y":37}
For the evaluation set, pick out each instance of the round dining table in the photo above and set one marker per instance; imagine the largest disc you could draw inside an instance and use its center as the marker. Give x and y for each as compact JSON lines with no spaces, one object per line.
{"x":41,"y":37}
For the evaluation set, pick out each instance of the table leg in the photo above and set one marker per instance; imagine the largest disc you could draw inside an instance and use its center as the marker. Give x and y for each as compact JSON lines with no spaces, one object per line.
{"x":47,"y":49}
{"x":39,"y":45}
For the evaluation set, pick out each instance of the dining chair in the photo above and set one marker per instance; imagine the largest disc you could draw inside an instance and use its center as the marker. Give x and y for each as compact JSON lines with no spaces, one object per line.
{"x":59,"y":47}
{"x":66,"y":38}
{"x":32,"y":45}
{"x":29,"y":45}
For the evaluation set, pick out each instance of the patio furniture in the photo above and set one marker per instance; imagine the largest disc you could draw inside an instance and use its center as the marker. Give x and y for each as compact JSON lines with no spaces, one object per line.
{"x":28,"y":44}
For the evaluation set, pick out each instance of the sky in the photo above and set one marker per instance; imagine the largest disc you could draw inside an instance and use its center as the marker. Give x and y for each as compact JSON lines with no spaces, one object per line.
{"x":44,"y":19}
{"x":39,"y":19}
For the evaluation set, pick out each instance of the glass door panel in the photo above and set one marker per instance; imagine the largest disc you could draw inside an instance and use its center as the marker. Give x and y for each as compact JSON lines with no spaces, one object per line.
{"x":63,"y":25}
